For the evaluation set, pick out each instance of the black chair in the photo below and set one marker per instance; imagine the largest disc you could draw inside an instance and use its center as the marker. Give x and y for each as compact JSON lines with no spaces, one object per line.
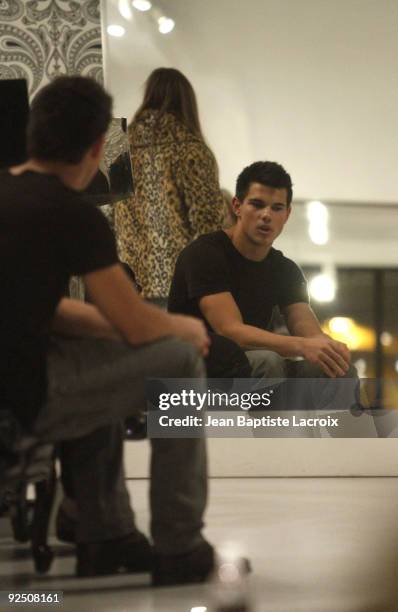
{"x":24,"y":460}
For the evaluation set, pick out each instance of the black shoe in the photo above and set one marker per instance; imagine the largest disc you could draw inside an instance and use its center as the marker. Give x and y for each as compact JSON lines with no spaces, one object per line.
{"x":189,"y":568}
{"x":128,"y":554}
{"x":194,"y":566}
{"x":65,"y":527}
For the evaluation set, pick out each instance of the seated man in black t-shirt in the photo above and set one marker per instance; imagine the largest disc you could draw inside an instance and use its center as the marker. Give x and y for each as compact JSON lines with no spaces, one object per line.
{"x":79,"y":386}
{"x":233,"y":278}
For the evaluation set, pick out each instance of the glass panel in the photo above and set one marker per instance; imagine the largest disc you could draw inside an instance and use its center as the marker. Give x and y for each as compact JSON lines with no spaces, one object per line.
{"x":389,"y":338}
{"x":350,"y":316}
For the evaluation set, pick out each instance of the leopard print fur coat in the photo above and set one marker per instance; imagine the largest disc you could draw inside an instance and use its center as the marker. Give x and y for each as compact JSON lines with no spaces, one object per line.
{"x":176,"y":198}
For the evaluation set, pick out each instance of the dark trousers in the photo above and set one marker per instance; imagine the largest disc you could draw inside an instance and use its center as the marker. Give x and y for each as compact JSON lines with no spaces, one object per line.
{"x":93,"y":385}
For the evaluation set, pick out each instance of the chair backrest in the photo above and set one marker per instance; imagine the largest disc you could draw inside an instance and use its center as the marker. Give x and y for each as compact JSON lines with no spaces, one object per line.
{"x":23,"y":458}
{"x":10,"y":437}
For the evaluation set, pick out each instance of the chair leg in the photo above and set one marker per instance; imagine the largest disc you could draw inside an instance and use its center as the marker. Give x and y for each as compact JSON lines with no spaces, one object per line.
{"x":19,"y":513}
{"x":41,"y":552}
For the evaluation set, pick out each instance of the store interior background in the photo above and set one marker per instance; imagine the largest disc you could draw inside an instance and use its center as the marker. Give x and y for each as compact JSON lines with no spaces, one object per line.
{"x":312,"y":85}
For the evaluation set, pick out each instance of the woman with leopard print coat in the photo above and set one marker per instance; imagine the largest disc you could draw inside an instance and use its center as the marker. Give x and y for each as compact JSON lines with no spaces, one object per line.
{"x":176,"y":191}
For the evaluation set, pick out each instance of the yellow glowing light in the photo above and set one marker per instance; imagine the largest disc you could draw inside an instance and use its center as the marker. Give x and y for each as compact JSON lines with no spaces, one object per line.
{"x":341,"y":325}
{"x":356,"y":337}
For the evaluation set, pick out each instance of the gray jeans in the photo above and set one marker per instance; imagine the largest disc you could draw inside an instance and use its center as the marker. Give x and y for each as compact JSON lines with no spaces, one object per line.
{"x":92,"y":386}
{"x":268,"y":364}
{"x":314,"y":396}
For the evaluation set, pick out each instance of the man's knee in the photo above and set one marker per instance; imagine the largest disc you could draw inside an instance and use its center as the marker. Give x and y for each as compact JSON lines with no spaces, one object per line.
{"x":267,"y":364}
{"x":305,"y":369}
{"x":185,"y":360}
{"x":226,"y":359}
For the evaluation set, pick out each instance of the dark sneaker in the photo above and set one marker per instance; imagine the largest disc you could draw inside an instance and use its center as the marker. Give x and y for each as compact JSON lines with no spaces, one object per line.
{"x":131,"y":554}
{"x":194,"y":566}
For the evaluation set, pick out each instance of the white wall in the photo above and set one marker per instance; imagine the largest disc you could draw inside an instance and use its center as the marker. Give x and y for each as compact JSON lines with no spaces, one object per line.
{"x":363,"y":236}
{"x":310,"y":83}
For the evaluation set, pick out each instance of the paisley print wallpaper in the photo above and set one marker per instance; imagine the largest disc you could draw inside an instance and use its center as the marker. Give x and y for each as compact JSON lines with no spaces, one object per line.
{"x":40,"y":39}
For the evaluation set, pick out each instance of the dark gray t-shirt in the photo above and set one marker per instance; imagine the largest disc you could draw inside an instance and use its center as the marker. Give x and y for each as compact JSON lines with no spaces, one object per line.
{"x":211,"y":264}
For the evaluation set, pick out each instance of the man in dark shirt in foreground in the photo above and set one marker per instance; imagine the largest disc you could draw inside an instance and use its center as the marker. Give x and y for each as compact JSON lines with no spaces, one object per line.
{"x":81,"y":385}
{"x":233,"y":278}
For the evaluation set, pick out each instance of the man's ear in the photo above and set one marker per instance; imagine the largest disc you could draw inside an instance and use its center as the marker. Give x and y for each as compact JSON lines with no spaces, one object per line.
{"x":236,"y":205}
{"x":98,"y":147}
{"x":289,"y":210}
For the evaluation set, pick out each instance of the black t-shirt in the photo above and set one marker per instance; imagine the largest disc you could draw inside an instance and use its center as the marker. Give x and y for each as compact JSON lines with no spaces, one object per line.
{"x":211,"y":264}
{"x":48,"y":232}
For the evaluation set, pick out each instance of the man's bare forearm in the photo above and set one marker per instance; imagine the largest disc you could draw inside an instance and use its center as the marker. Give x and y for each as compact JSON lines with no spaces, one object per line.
{"x":306,"y":329}
{"x":301,"y":321}
{"x":75,"y":318}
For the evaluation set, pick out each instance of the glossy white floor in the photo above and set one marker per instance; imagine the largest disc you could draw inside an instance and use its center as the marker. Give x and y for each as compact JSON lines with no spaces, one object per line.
{"x":316,"y":545}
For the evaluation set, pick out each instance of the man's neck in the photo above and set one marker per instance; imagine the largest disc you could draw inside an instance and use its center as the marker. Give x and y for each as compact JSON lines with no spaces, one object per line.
{"x":246,"y":248}
{"x":71,"y":175}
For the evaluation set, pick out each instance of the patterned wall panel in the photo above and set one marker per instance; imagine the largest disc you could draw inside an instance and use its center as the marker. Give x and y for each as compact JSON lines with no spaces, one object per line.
{"x":41,"y":39}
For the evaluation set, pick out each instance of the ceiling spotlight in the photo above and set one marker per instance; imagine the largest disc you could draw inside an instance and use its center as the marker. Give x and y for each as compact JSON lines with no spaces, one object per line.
{"x":116,"y":30}
{"x":317,"y":215}
{"x":166,"y":25}
{"x":142,"y":5}
{"x":317,"y":210}
{"x":318,"y":233}
{"x":125,"y":9}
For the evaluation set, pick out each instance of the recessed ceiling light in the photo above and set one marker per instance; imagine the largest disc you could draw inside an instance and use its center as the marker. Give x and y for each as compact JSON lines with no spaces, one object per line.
{"x":317,"y":215}
{"x":125,"y":9}
{"x":116,"y":30}
{"x":317,"y":210}
{"x":166,"y":25}
{"x":318,"y":233}
{"x":142,"y":5}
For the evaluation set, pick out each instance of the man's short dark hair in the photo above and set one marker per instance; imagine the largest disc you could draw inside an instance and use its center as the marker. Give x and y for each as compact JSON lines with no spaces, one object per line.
{"x":267,"y":173}
{"x":66,"y":118}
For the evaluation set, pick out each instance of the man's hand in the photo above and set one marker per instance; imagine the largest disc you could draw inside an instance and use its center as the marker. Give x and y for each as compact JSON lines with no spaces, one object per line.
{"x":192,"y":330}
{"x":332,"y":356}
